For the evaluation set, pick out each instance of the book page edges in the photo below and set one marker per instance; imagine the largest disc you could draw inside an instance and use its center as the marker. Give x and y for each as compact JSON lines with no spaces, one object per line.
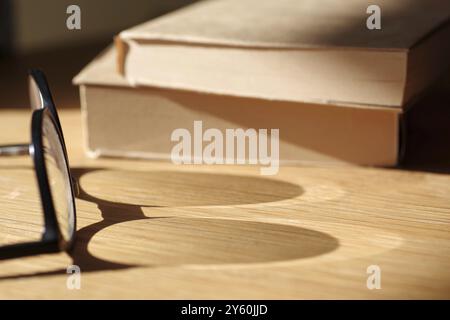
{"x":317,"y":76}
{"x":376,"y":144}
{"x":102,"y":72}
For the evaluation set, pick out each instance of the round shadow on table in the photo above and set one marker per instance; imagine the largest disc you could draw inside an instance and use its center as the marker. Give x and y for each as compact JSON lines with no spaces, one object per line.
{"x":121,"y":195}
{"x":176,"y":188}
{"x":204,"y":241}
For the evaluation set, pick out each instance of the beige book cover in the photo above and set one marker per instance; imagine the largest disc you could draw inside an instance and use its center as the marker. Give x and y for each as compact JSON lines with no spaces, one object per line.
{"x":318,"y":51}
{"x":121,"y":120}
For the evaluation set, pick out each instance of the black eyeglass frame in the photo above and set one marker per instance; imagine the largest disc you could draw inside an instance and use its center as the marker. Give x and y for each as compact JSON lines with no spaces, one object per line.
{"x":52,"y":240}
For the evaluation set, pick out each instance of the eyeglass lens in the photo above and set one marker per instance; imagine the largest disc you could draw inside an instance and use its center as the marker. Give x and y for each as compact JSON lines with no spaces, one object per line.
{"x":58,"y":177}
{"x":36,"y":99}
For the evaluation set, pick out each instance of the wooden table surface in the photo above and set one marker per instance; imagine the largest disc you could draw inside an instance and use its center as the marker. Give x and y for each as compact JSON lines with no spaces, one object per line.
{"x":157,"y":230}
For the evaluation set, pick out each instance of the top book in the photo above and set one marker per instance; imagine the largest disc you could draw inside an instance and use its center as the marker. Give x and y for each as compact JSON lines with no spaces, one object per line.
{"x":294,"y":50}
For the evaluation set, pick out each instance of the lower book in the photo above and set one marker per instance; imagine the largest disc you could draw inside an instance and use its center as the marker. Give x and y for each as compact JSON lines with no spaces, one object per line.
{"x":162,"y":123}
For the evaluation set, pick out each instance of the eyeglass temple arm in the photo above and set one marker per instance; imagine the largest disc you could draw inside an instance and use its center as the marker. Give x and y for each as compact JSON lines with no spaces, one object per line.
{"x":26,"y":249}
{"x":15,"y":150}
{"x":24,"y":149}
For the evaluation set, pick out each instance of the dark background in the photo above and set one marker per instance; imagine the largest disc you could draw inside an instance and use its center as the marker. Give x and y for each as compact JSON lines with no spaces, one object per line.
{"x":33,"y":33}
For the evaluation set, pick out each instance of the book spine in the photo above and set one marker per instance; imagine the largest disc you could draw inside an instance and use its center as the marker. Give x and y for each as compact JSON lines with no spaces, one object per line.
{"x":121,"y":52}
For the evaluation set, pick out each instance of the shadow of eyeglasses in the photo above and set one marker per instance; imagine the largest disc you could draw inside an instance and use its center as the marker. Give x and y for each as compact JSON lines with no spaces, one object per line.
{"x":114,"y":213}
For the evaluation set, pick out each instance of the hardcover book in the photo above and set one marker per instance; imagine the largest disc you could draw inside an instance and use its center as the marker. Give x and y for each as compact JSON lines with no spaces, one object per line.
{"x":122,"y":120}
{"x":293,"y":50}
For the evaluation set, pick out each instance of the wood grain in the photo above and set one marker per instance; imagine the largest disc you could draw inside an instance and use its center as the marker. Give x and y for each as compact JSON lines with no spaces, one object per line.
{"x":156,"y":230}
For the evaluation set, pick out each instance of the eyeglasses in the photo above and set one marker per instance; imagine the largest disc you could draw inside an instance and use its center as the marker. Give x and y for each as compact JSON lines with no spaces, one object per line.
{"x":56,"y":186}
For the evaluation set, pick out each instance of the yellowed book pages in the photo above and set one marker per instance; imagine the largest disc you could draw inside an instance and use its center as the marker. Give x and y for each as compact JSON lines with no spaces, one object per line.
{"x":120,"y":120}
{"x":293,"y":50}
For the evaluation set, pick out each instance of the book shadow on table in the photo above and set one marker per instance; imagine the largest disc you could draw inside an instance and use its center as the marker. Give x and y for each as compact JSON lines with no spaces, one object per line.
{"x":249,"y":242}
{"x":428,"y":131}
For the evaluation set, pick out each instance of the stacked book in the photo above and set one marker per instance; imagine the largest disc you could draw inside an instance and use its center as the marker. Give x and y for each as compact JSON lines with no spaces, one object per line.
{"x":336,"y":89}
